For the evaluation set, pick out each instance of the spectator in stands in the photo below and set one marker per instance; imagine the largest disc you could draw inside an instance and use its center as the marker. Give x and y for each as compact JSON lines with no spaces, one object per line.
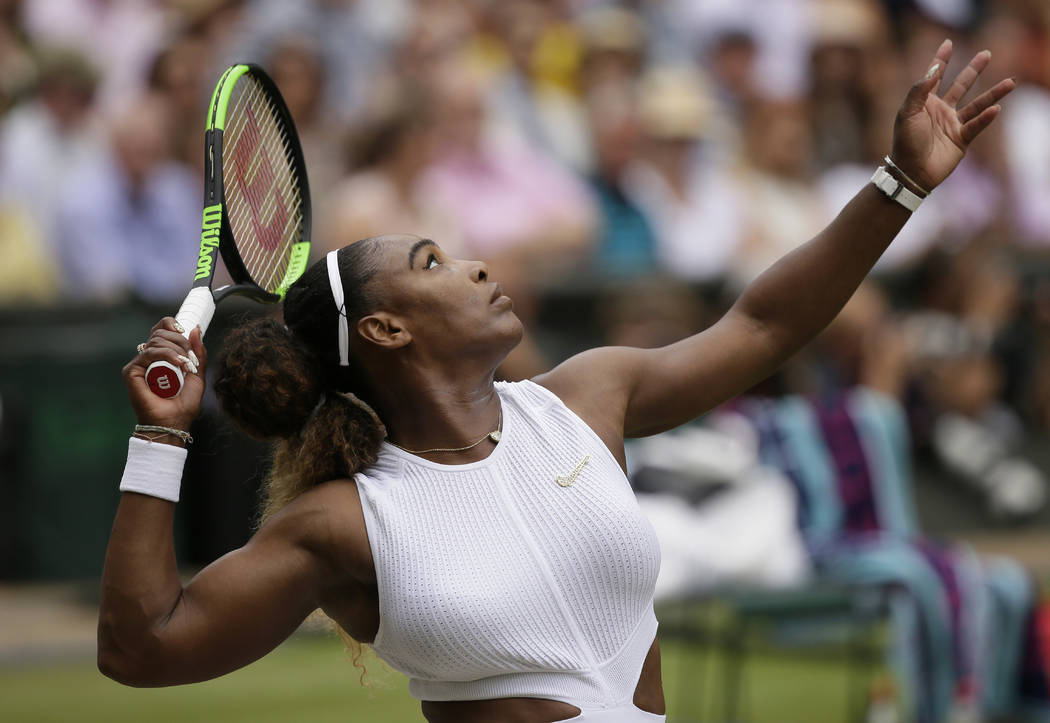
{"x":695,"y":215}
{"x":530,"y":104}
{"x":625,"y":241}
{"x":126,"y":221}
{"x":779,"y":29}
{"x":17,"y":66}
{"x":731,"y":63}
{"x":179,"y":72}
{"x":118,"y":39}
{"x":442,"y":33}
{"x":783,"y":208}
{"x":44,"y":138}
{"x":381,"y":194}
{"x":613,"y":41}
{"x":848,"y":36}
{"x":351,"y":39}
{"x":518,"y":211}
{"x":1020,"y":32}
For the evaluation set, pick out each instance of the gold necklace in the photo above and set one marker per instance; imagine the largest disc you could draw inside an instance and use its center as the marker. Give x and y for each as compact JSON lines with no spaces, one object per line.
{"x":494,"y":435}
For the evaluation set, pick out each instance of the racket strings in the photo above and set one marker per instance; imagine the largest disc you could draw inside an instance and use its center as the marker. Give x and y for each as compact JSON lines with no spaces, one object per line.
{"x":253,"y":157}
{"x":262,"y":188}
{"x":266,"y":210}
{"x":265,"y":220}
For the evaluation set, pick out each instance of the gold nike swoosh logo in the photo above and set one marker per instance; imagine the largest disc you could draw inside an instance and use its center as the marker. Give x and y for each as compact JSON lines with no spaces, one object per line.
{"x":568,"y":479}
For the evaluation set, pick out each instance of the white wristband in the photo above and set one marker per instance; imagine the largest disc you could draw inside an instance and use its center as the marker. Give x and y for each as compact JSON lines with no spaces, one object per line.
{"x":153,"y":469}
{"x":895,"y":189}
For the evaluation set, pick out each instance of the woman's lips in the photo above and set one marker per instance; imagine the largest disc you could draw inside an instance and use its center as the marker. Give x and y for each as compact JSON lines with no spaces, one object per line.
{"x":498,"y":297}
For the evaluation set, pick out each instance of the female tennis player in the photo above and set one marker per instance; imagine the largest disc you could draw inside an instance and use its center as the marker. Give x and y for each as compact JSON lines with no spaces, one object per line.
{"x":482,"y":536}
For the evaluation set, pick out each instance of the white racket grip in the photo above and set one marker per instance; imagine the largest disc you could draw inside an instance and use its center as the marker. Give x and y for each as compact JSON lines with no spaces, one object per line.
{"x":164,"y":379}
{"x":196,"y":310}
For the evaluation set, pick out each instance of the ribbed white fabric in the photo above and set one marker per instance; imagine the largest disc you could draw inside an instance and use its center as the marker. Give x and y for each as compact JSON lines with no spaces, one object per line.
{"x":495,"y":581}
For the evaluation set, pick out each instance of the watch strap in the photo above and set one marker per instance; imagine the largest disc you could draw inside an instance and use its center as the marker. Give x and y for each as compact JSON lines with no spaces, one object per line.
{"x":895,"y":189}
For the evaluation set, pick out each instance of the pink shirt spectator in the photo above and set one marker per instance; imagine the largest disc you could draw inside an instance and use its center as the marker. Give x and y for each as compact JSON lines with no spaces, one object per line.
{"x":502,"y":197}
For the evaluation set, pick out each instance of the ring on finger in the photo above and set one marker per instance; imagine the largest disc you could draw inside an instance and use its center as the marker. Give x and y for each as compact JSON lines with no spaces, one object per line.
{"x":141,"y":347}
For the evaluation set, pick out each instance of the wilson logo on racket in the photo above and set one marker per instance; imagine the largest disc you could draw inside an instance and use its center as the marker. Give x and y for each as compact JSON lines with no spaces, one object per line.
{"x":211,"y":222}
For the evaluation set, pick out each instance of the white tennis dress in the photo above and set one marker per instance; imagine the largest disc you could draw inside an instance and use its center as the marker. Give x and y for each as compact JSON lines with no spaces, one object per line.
{"x":527,"y":574}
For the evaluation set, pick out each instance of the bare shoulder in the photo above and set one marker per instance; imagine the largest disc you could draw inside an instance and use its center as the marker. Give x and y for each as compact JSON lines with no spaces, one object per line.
{"x":596,"y":385}
{"x":327,"y":520}
{"x":603,"y":374}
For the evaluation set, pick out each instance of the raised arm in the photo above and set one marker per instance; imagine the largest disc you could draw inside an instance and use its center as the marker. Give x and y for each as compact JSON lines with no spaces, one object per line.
{"x":152,"y":630}
{"x":649,"y":391}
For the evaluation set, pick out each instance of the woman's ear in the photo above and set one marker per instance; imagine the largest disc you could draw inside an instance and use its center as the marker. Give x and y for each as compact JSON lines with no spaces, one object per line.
{"x":384,"y":330}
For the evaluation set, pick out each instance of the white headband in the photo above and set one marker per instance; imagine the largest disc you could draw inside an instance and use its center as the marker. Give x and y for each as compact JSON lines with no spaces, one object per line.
{"x":337,"y":293}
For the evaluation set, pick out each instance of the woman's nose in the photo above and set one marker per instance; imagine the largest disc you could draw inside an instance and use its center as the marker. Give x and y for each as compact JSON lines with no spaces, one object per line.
{"x":479,"y":271}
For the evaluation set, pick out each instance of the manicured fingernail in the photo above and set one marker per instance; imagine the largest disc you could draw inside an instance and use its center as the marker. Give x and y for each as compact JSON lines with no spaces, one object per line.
{"x":932,"y":71}
{"x":190,"y":366}
{"x":193,"y":358}
{"x":178,"y":328}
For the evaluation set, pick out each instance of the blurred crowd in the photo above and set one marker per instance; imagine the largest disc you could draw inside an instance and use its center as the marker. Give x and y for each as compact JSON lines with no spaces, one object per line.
{"x":571,"y":142}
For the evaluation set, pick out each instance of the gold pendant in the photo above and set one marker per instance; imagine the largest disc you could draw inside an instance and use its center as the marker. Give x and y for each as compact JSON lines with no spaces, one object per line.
{"x":495,"y":436}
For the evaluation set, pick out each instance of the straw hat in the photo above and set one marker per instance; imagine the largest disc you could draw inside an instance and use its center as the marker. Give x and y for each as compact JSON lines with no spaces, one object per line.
{"x":612,"y":29}
{"x":847,"y":22}
{"x":675,"y":103}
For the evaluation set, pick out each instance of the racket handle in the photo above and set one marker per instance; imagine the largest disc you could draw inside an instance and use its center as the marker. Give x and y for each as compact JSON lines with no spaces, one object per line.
{"x":163,"y":378}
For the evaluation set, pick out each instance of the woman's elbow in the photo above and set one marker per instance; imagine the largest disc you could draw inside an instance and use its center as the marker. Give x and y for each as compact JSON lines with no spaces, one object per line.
{"x":120,"y":668}
{"x":116,"y":669}
{"x":132,"y":664}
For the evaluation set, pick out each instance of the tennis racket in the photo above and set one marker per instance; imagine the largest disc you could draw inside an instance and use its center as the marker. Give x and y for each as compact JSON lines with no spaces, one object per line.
{"x":256,"y":205}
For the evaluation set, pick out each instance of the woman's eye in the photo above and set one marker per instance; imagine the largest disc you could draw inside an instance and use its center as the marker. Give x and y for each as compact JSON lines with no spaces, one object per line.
{"x":431,"y":262}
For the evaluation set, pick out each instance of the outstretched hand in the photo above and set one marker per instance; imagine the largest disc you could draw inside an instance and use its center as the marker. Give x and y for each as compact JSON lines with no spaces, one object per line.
{"x":931,"y":133}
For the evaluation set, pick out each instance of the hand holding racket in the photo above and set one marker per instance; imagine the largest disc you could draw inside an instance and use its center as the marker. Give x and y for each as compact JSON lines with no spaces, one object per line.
{"x":167,"y":343}
{"x":256,"y":206}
